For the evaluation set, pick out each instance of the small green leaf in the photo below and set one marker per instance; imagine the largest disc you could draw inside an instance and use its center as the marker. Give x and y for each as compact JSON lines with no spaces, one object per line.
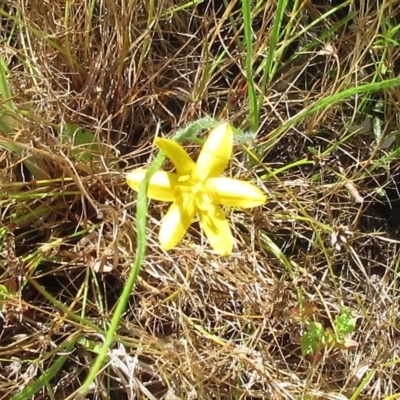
{"x":90,"y":344}
{"x":313,"y":150}
{"x":380,"y":191}
{"x":312,"y":338}
{"x":315,"y":178}
{"x":345,"y":323}
{"x":3,"y":292}
{"x":83,"y":142}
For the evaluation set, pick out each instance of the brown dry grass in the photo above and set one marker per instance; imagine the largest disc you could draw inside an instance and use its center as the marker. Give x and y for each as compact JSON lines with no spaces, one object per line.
{"x":198,"y":326}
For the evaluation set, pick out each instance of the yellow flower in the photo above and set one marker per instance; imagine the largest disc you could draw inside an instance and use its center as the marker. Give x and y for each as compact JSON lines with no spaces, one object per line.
{"x":197,"y":188}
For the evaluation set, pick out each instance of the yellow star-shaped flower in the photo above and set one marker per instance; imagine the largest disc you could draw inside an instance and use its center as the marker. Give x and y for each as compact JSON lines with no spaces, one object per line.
{"x":198,"y":189}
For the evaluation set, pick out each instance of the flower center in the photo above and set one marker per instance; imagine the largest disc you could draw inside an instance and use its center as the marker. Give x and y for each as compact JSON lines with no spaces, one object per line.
{"x":191,"y":188}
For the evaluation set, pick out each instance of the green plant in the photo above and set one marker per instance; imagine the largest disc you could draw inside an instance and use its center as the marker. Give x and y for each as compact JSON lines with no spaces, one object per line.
{"x":316,"y":337}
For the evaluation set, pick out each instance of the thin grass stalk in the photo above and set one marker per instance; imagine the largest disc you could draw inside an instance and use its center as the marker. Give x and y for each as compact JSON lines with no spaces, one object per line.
{"x":273,"y":42}
{"x":248,"y":38}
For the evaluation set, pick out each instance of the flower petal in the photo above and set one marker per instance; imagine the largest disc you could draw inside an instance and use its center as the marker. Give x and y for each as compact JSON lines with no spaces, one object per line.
{"x":177,"y":154}
{"x":234,"y":193}
{"x":176,"y":222}
{"x":216,"y":151}
{"x":217,"y":230}
{"x":161,"y":185}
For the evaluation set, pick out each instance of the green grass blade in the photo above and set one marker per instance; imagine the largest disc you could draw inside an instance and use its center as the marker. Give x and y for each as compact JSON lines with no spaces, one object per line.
{"x":45,"y":378}
{"x":273,"y":42}
{"x":5,"y":91}
{"x":328,"y":101}
{"x":248,"y":38}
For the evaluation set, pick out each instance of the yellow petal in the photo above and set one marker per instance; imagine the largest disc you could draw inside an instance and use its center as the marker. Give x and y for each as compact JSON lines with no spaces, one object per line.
{"x":217,"y":230}
{"x":216,"y":151}
{"x":161,"y":185}
{"x":234,"y":193}
{"x":176,"y":222}
{"x":176,"y":153}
